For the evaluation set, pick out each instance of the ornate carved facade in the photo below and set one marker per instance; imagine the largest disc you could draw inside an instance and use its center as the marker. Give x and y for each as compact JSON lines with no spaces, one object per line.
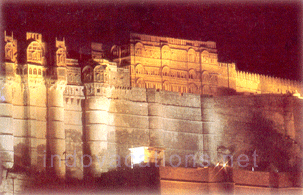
{"x":187,"y":66}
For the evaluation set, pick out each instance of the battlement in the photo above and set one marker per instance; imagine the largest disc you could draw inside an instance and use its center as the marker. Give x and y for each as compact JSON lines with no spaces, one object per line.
{"x":60,"y":43}
{"x":169,"y":40}
{"x":267,"y":83}
{"x":248,"y":76}
{"x":8,"y":38}
{"x":36,"y":36}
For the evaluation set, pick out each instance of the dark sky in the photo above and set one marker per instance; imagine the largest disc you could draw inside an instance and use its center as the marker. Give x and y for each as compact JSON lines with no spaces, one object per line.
{"x":263,"y":38}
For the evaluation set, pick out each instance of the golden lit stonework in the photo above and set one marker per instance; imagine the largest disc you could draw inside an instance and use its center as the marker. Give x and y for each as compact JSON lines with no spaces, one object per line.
{"x":187,"y":66}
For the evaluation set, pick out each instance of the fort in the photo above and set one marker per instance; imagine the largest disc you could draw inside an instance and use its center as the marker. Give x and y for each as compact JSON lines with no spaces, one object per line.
{"x":152,"y":95}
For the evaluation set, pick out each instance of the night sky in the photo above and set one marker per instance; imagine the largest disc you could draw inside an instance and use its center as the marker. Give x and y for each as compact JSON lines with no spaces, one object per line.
{"x":262,"y":38}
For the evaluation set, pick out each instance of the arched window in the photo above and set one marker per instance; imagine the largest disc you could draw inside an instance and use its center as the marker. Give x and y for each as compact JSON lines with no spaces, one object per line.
{"x":35,"y":71}
{"x":39,"y":72}
{"x":192,"y":74}
{"x":139,"y":49}
{"x":9,"y":52}
{"x":191,"y":55}
{"x":205,"y":56}
{"x":87,"y":73}
{"x":205,"y":77}
{"x":165,"y":71}
{"x":34,"y":52}
{"x":192,"y":88}
{"x":139,"y":69}
{"x":166,"y":54}
{"x":30,"y":71}
{"x":61,"y":56}
{"x":140,"y":83}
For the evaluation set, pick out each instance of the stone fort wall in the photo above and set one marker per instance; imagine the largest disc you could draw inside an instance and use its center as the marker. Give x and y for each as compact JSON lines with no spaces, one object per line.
{"x":119,"y":119}
{"x":107,"y":125}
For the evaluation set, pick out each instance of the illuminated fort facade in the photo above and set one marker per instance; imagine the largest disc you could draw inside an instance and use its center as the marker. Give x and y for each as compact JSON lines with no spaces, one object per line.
{"x":187,"y":66}
{"x":170,"y":95}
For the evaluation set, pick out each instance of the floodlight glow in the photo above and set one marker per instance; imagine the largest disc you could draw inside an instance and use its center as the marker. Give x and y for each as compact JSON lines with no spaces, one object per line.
{"x":137,"y":155}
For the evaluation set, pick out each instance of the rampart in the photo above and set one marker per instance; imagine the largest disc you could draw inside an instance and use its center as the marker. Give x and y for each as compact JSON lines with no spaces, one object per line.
{"x":256,"y":83}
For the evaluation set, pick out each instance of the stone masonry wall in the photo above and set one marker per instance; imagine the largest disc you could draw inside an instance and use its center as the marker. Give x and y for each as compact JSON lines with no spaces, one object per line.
{"x":186,"y":126}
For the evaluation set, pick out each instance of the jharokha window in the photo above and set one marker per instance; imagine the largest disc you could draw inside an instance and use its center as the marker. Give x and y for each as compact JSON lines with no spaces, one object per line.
{"x":61,"y":56}
{"x":8,"y":51}
{"x":34,"y":52}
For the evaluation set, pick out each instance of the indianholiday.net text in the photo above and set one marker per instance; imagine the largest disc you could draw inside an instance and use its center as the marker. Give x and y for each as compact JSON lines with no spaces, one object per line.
{"x":175,"y":160}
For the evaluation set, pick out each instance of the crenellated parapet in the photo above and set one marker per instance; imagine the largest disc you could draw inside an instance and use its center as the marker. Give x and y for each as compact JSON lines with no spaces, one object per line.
{"x":142,"y":37}
{"x":256,"y":83}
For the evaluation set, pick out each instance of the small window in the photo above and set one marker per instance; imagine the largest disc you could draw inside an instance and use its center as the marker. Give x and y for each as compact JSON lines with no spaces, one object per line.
{"x":30,"y":71}
{"x":35,"y":71}
{"x":98,"y":90}
{"x":39,"y":72}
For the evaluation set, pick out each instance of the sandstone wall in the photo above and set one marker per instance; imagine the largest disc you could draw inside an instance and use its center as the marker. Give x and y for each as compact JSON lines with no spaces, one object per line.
{"x":6,"y":120}
{"x":230,"y":122}
{"x":73,"y":125}
{"x":187,"y":126}
{"x":105,"y":125}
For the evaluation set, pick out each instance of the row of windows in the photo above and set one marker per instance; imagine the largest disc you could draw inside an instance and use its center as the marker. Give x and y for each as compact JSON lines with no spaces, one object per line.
{"x":153,"y":85}
{"x":34,"y":71}
{"x":181,"y":89}
{"x":191,"y":55}
{"x":142,"y":71}
{"x":168,"y":87}
{"x":71,"y":100}
{"x":185,"y":58}
{"x":98,"y":77}
{"x":192,"y":88}
{"x":166,"y":73}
